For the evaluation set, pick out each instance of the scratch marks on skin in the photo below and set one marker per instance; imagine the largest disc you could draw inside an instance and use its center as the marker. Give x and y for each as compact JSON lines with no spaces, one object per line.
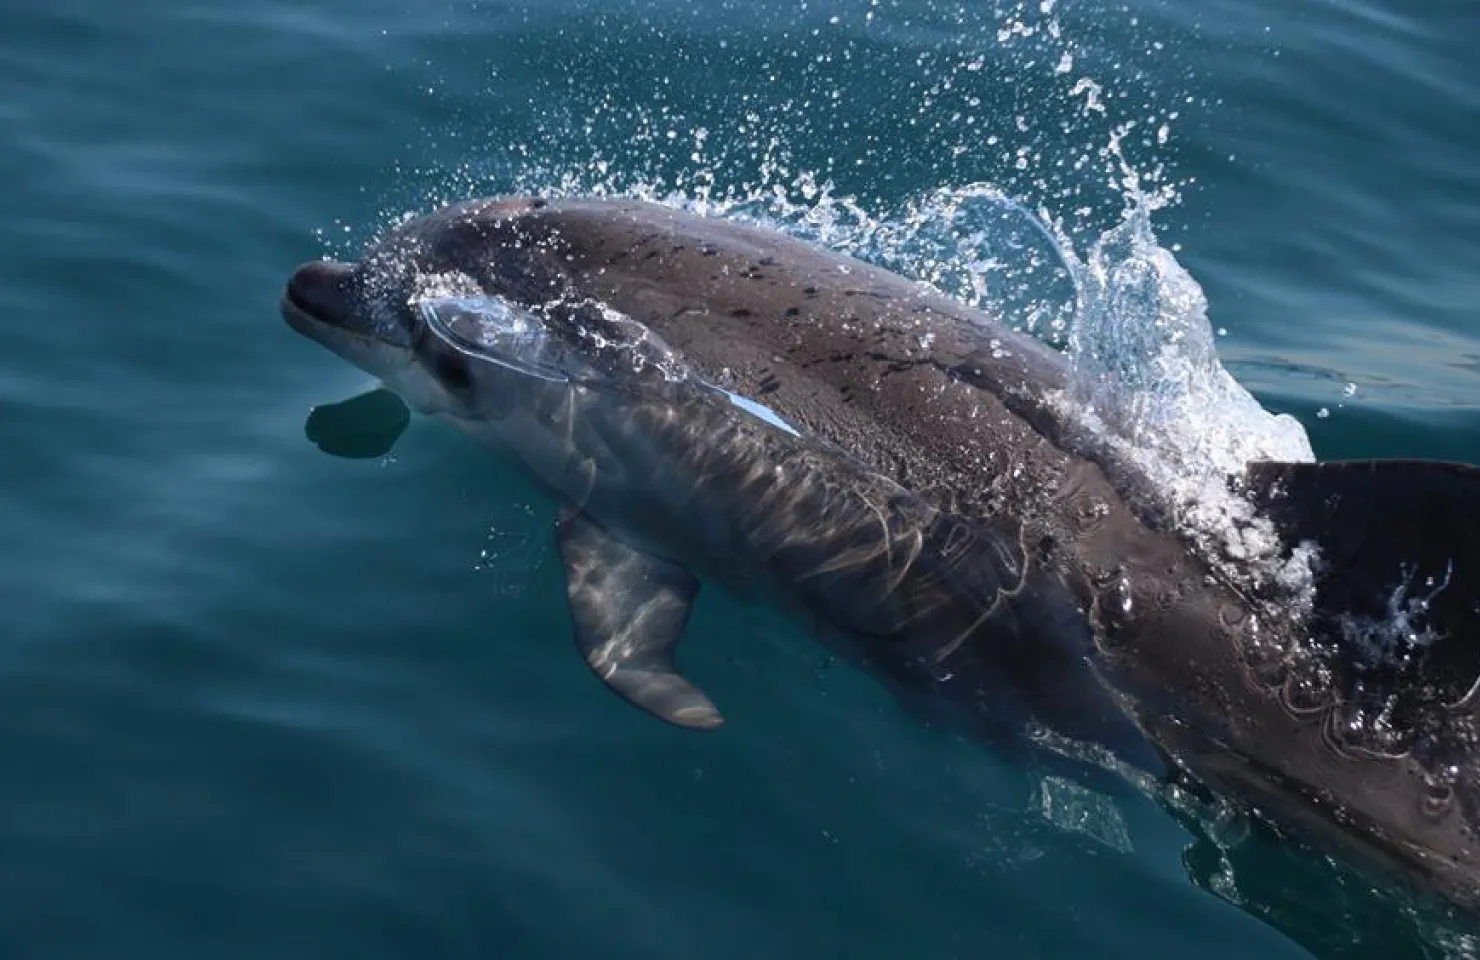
{"x":951,"y":646}
{"x":963,"y":542}
{"x":914,"y":543}
{"x":863,"y":554}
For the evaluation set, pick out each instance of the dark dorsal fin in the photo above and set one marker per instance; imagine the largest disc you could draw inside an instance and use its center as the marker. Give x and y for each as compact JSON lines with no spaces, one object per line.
{"x":1396,"y":537}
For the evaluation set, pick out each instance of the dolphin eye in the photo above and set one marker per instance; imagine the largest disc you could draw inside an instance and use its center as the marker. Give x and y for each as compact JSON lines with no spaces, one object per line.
{"x":452,"y":370}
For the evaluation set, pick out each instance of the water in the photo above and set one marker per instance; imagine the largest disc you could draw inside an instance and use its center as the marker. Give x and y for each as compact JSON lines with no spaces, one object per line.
{"x":260,"y":700}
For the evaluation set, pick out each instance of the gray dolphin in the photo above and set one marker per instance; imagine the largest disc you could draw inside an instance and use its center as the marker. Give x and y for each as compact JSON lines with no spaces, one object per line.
{"x":716,"y":400}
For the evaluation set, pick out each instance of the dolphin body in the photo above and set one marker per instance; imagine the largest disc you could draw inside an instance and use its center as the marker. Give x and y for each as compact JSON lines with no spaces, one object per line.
{"x":718,"y":400}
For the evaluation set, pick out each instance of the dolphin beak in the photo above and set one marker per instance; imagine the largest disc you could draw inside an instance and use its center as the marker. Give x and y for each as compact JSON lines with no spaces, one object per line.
{"x":318,"y":295}
{"x":323,"y":302}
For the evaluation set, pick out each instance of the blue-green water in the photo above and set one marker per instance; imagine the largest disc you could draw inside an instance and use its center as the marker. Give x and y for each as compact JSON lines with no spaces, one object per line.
{"x":258,"y":701}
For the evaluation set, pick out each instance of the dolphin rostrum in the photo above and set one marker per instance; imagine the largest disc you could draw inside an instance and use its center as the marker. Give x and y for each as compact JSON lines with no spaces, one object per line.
{"x":709,"y":399}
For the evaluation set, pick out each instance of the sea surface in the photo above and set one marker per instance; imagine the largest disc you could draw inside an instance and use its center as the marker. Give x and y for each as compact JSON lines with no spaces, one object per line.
{"x":260,"y":701}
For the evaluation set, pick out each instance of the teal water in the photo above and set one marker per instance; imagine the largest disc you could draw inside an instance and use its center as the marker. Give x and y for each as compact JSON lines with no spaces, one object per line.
{"x":258,"y":701}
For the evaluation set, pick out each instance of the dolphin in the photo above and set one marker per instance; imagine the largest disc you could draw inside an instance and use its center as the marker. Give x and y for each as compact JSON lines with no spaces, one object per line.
{"x":712,"y":401}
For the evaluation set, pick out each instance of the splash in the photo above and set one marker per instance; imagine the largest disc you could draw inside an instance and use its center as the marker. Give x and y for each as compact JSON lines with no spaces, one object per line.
{"x":731,"y":99}
{"x":816,"y":122}
{"x":1133,"y":323}
{"x":1149,"y":382}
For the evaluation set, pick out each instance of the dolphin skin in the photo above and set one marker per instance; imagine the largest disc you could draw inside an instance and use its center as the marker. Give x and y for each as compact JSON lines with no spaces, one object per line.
{"x":719,"y":401}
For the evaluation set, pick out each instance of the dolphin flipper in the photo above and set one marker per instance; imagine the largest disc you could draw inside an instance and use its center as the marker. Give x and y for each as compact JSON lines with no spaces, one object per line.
{"x":362,"y":427}
{"x":630,"y":610}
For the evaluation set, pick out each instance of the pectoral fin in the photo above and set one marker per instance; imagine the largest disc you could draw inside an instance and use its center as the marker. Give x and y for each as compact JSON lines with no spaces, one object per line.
{"x":361,"y":427}
{"x":630,"y":610}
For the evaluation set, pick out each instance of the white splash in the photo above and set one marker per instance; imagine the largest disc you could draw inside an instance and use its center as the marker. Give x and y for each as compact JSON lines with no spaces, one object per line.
{"x":1149,"y":382}
{"x":1077,"y":136}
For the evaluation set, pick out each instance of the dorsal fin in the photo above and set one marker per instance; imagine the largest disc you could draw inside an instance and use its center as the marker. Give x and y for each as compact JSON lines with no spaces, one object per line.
{"x":1397,"y":538}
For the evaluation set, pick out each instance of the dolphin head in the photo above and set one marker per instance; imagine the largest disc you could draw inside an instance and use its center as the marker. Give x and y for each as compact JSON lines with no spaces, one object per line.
{"x":375,"y":312}
{"x":464,"y":311}
{"x":468,"y":314}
